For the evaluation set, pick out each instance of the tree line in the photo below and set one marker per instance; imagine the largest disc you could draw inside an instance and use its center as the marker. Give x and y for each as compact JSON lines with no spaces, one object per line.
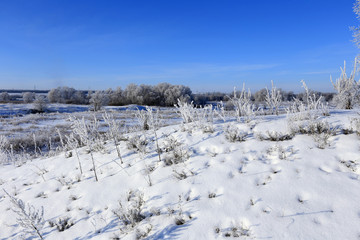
{"x":162,"y":94}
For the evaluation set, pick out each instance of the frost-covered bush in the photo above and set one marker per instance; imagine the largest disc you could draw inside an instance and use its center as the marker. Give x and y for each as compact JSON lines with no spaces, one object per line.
{"x":62,"y":223}
{"x":322,"y":139}
{"x":28,"y":97}
{"x":235,"y":134}
{"x":137,"y":142}
{"x":244,"y":108}
{"x":355,"y":125}
{"x":174,"y":151}
{"x":273,"y":99}
{"x":129,"y":212}
{"x":40,"y":103}
{"x":114,"y":132}
{"x":312,"y":107}
{"x":4,"y":97}
{"x":274,"y":136}
{"x":98,"y":99}
{"x":347,"y":88}
{"x":186,"y":110}
{"x":88,"y":135}
{"x":4,"y":144}
{"x":29,"y":218}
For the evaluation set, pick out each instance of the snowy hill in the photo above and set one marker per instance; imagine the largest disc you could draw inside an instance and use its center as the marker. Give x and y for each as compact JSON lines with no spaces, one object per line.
{"x":271,"y":178}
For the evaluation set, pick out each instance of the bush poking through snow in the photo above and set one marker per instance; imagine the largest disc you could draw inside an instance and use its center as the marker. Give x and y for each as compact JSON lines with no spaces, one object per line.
{"x":274,"y":136}
{"x":129,"y":211}
{"x":89,"y":136}
{"x":273,"y":99}
{"x":31,"y":219}
{"x":244,"y":109}
{"x":347,"y":88}
{"x":138,"y":143}
{"x":114,"y":132}
{"x":234,"y":134}
{"x":187,"y":111}
{"x":178,"y":155}
{"x":61,"y":224}
{"x":322,"y":139}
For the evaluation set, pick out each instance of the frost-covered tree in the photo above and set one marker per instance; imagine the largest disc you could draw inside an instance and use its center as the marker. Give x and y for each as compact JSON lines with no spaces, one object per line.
{"x":99,"y":99}
{"x":347,"y":89}
{"x":356,"y":30}
{"x":40,"y":103}
{"x":4,"y":97}
{"x":28,"y":97}
{"x":66,"y":95}
{"x":260,"y":95}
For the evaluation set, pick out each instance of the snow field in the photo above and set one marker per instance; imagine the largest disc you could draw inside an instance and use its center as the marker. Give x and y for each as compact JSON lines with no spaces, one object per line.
{"x":252,"y":189}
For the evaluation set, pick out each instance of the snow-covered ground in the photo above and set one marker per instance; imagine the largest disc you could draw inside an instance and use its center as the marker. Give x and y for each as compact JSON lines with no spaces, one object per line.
{"x":305,"y":187}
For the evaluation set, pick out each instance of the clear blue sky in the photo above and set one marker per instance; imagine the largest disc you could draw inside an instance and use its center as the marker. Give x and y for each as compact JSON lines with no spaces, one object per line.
{"x":207,"y":45}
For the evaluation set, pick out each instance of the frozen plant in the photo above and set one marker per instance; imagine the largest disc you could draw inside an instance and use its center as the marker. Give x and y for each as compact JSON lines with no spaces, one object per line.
{"x":29,"y":218}
{"x":129,"y":212}
{"x":243,"y":105}
{"x":61,"y":223}
{"x":98,"y":99}
{"x":4,"y":143}
{"x":312,"y":101}
{"x":322,"y":139}
{"x":273,"y":99}
{"x":347,"y":88}
{"x":87,"y":132}
{"x":137,"y":142}
{"x":143,"y":232}
{"x":72,"y":143}
{"x":114,"y":131}
{"x":154,"y":123}
{"x":40,"y":103}
{"x":143,"y":119}
{"x":187,"y":111}
{"x":275,"y":136}
{"x":175,"y":152}
{"x":234,"y":134}
{"x":220,"y":111}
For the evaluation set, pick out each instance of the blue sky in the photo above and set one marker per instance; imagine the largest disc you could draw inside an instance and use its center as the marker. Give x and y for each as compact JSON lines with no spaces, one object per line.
{"x":207,"y":45}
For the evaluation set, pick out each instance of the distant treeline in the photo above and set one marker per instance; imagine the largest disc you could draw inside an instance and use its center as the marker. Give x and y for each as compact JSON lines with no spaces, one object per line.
{"x":162,"y":94}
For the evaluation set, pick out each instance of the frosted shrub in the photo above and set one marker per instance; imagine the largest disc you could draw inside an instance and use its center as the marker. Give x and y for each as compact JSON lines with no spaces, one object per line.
{"x":186,"y":110}
{"x":244,"y":109}
{"x":88,"y":134}
{"x":154,"y":123}
{"x":4,"y":144}
{"x":322,"y":139}
{"x":355,"y":125}
{"x":312,"y":109}
{"x":129,"y":212}
{"x":175,"y":152}
{"x":273,"y":99}
{"x":62,"y":223}
{"x":73,"y":144}
{"x":220,"y":111}
{"x":29,"y":218}
{"x":143,"y":119}
{"x":234,"y":134}
{"x":114,"y":131}
{"x":137,"y":142}
{"x":347,"y":88}
{"x":274,"y":136}
{"x":170,"y":143}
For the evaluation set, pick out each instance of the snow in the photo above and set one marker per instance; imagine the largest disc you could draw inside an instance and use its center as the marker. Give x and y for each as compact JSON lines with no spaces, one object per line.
{"x":253,"y":189}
